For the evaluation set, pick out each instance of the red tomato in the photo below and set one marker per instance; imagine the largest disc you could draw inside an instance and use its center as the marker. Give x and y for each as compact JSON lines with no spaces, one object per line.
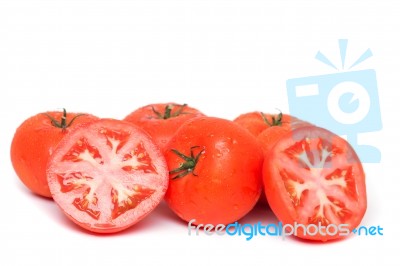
{"x":268,"y":128}
{"x":313,"y":176}
{"x":257,"y":122}
{"x":268,"y":137}
{"x":215,"y":171}
{"x":35,"y":140}
{"x":162,"y":120}
{"x":107,"y":175}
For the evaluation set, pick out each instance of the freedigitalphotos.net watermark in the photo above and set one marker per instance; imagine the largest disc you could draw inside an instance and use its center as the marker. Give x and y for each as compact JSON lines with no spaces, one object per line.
{"x":280,"y":230}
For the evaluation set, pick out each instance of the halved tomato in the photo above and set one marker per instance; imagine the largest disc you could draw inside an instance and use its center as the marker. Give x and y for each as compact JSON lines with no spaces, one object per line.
{"x":314,"y":177}
{"x":107,"y":175}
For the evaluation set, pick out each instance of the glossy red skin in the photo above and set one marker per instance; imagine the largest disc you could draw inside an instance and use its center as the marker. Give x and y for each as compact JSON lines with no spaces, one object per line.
{"x":228,"y":182}
{"x":161,"y":130}
{"x":140,"y":212}
{"x":33,"y":143}
{"x":277,"y":195}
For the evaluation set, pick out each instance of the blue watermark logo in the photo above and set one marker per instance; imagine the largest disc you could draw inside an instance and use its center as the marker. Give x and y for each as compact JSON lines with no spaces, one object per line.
{"x":346,"y":102}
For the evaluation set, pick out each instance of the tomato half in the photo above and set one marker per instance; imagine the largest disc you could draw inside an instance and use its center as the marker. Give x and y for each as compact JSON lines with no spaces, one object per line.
{"x":215,"y":171}
{"x":313,"y":176}
{"x":34,"y":141}
{"x":162,"y":120}
{"x":107,"y":175}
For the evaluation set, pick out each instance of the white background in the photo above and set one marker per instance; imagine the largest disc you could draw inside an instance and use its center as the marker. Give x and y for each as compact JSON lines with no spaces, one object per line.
{"x":223,"y":57}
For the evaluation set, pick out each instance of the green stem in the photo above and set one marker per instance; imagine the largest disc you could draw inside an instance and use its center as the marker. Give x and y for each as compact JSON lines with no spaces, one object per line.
{"x":189,"y":164}
{"x":168,"y":111}
{"x":276,"y":120}
{"x":63,"y":123}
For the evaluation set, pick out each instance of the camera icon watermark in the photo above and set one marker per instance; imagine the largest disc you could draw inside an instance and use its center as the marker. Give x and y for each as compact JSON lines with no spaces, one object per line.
{"x":346,"y":103}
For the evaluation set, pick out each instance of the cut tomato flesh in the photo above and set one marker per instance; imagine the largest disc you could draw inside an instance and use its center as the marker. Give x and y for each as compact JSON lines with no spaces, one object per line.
{"x":126,"y":199}
{"x":320,"y":178}
{"x":102,"y":175}
{"x":323,"y":180}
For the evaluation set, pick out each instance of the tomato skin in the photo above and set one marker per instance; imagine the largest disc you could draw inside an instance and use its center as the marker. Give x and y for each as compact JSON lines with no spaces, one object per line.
{"x":225,"y":184}
{"x":160,"y":129}
{"x":115,"y":157}
{"x":33,"y":143}
{"x":280,"y":197}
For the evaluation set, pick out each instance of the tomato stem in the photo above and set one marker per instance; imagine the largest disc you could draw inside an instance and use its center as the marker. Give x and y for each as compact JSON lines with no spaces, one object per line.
{"x":276,"y":120}
{"x":168,"y":111}
{"x":189,"y":163}
{"x":63,"y":123}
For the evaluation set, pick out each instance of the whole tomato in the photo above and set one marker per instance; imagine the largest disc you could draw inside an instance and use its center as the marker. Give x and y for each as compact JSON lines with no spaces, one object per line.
{"x":269,"y":128}
{"x":215,"y":171}
{"x":162,"y":120}
{"x":35,"y":140}
{"x":257,"y":122}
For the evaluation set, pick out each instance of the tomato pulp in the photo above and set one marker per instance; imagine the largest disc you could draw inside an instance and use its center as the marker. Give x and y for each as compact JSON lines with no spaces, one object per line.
{"x":107,"y":175}
{"x":312,"y":176}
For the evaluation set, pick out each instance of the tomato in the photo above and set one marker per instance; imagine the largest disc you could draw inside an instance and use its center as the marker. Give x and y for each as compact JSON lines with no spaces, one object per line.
{"x":162,"y":120}
{"x":107,"y":175}
{"x":268,"y":137}
{"x":215,"y":171}
{"x":314,"y":177}
{"x":268,"y":128}
{"x":34,"y":141}
{"x":257,"y":122}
